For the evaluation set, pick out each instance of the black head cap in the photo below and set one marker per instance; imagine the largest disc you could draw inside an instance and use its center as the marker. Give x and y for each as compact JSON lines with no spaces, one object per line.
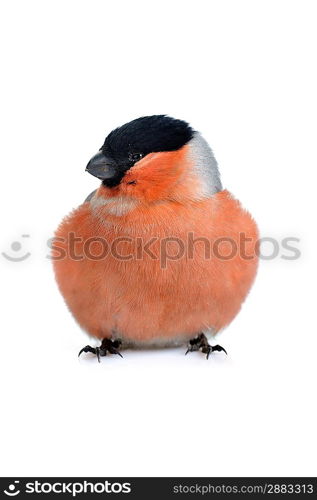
{"x":148,"y":134}
{"x":126,"y":145}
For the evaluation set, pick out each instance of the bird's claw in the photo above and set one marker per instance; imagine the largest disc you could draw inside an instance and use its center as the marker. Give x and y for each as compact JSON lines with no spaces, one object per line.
{"x":107,"y":345}
{"x":201,"y":343}
{"x":93,"y":350}
{"x":112,"y":346}
{"x":211,"y":348}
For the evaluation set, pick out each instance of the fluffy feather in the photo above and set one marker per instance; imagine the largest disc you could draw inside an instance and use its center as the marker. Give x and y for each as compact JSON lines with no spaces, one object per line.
{"x":161,"y":300}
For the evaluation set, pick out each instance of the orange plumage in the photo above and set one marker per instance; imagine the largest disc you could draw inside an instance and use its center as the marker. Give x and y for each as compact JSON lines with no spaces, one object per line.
{"x":164,"y":260}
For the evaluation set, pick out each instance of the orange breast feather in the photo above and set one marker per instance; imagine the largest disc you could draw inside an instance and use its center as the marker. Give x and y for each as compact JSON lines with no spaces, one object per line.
{"x":160,"y":278}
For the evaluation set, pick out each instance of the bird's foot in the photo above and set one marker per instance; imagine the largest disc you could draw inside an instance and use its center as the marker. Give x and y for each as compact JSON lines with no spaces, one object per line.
{"x":201,"y":343}
{"x":107,"y":345}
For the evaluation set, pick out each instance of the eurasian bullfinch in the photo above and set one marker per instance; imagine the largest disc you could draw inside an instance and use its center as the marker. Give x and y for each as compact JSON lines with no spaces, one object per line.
{"x":160,"y":254}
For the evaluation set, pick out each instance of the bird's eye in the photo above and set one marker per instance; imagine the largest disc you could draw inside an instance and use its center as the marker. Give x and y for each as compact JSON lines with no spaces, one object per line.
{"x":135,"y":156}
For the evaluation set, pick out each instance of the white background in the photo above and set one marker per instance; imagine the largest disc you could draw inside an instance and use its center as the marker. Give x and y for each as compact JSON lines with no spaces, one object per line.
{"x":244,"y":74}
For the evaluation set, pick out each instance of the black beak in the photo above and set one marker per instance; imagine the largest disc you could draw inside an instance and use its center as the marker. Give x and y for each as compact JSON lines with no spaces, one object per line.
{"x":102,"y":167}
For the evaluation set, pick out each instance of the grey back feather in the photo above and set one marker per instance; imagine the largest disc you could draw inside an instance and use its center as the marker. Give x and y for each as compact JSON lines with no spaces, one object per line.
{"x":90,"y":196}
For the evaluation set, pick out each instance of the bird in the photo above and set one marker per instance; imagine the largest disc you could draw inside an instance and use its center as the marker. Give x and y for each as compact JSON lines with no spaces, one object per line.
{"x":160,"y":254}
